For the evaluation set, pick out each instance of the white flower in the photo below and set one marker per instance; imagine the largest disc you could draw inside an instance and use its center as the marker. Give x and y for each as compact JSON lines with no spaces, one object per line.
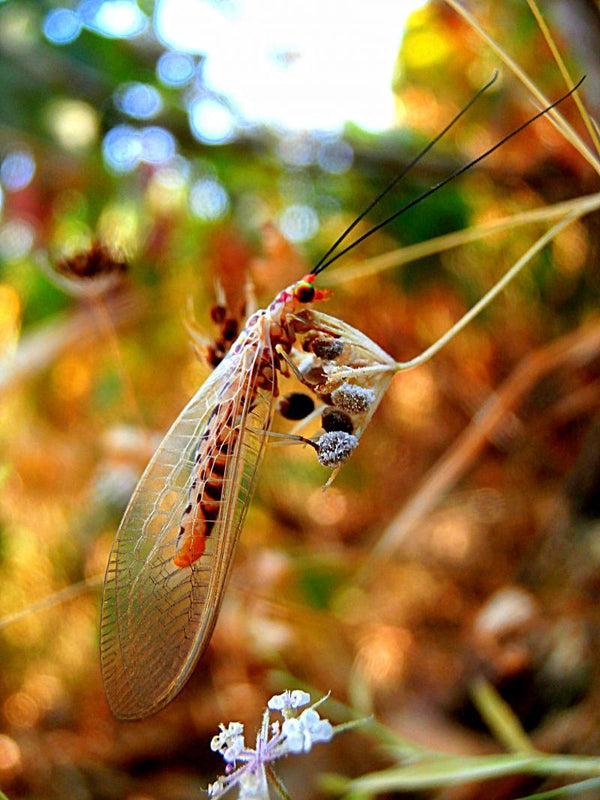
{"x":230,"y":742}
{"x":253,"y":785}
{"x":289,"y":700}
{"x":302,"y":732}
{"x":247,"y":767}
{"x":216,"y":787}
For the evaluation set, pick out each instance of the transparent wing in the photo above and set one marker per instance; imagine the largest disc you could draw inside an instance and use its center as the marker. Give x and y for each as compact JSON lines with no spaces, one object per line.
{"x":157,"y":618}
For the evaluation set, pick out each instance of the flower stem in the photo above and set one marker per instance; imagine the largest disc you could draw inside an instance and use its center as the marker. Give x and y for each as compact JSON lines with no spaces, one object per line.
{"x":277,"y":783}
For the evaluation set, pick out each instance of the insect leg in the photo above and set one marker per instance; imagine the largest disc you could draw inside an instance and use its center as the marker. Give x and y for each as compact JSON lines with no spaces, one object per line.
{"x":282,"y":353}
{"x":284,"y":438}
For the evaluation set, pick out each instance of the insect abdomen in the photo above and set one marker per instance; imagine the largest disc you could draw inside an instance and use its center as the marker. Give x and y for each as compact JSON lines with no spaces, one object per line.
{"x":202,"y":512}
{"x":215,"y":449}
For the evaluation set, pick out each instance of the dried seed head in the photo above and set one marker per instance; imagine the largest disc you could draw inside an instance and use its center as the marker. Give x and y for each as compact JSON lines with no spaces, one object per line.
{"x":97,"y":261}
{"x":334,"y":419}
{"x":352,"y":398}
{"x":218,"y":313}
{"x":230,"y":329}
{"x":335,"y":447}
{"x":90,"y":272}
{"x":326,"y":347}
{"x":296,"y":405}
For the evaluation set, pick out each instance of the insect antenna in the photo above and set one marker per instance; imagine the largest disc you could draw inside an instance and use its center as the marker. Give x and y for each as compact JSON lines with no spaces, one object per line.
{"x":404,"y":171}
{"x":324,"y":264}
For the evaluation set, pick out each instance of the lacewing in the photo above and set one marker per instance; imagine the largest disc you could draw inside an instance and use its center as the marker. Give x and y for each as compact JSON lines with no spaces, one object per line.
{"x":173,"y":551}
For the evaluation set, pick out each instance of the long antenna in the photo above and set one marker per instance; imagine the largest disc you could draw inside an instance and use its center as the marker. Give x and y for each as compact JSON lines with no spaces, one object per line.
{"x":404,"y":171}
{"x":324,"y":264}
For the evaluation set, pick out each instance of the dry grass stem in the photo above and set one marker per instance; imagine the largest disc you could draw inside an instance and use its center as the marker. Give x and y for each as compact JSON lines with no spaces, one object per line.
{"x":553,"y":115}
{"x":564,"y":72}
{"x":404,"y":255}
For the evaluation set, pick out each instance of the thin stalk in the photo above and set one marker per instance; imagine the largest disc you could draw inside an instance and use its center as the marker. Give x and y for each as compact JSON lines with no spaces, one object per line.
{"x":500,"y":718}
{"x":441,"y":770}
{"x":439,"y":344}
{"x":99,"y":308}
{"x":553,"y":115}
{"x":56,"y":599}
{"x":493,"y":292}
{"x":276,"y":782}
{"x":564,"y":71}
{"x":404,"y":255}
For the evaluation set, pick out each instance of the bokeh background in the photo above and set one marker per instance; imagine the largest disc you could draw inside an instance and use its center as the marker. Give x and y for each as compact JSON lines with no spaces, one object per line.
{"x":191,"y":143}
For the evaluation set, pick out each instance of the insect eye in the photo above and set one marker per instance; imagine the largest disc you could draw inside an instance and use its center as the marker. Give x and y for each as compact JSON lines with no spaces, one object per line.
{"x":304,"y":292}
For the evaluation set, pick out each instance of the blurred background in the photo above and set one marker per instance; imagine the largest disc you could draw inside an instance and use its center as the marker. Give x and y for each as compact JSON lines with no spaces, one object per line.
{"x":151,"y":150}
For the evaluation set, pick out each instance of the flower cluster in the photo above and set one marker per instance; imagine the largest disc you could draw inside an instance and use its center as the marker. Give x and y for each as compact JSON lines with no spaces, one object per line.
{"x":246,"y":767}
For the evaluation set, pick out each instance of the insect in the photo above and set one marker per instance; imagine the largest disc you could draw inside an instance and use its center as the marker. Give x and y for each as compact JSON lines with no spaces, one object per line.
{"x":172,"y":554}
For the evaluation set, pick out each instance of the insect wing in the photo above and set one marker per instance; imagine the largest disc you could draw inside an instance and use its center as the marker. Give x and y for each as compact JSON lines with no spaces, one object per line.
{"x":157,"y":618}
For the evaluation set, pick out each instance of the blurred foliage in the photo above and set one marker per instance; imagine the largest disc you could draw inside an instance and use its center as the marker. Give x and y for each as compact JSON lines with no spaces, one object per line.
{"x":95,"y":369}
